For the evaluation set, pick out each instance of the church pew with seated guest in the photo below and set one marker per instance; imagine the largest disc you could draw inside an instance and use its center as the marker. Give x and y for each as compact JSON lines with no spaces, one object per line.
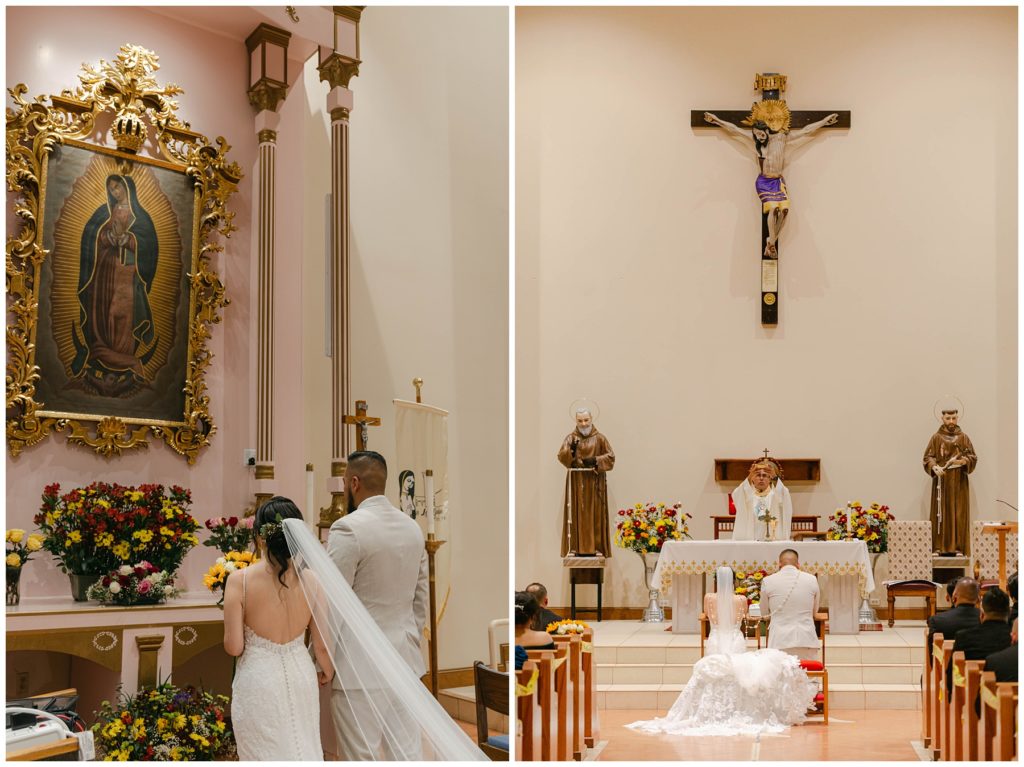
{"x":552,"y":702}
{"x":544,"y":616}
{"x":1004,"y":662}
{"x":1004,"y":747}
{"x":942,"y":652}
{"x":526,"y":704}
{"x":964,"y":613}
{"x":526,"y":610}
{"x":972,"y":706}
{"x":992,"y":635}
{"x":953,"y":748}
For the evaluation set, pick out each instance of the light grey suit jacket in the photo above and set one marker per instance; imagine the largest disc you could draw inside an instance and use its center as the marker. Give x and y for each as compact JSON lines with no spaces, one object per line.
{"x":381,"y":553}
{"x":791,"y":598}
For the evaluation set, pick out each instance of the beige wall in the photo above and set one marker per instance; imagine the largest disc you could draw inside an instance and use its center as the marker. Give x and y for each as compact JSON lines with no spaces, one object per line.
{"x":429,"y":270}
{"x":637,"y":257}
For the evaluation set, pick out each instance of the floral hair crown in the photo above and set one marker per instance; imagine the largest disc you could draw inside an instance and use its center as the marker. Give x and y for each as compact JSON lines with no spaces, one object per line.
{"x":270,"y":528}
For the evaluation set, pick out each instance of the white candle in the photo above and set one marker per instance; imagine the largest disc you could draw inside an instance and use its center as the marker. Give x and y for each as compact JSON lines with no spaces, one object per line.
{"x":311,"y":512}
{"x":429,"y":495}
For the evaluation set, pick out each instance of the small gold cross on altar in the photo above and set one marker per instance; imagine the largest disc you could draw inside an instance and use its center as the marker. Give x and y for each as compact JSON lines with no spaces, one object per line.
{"x":766,"y":452}
{"x":362,"y":422}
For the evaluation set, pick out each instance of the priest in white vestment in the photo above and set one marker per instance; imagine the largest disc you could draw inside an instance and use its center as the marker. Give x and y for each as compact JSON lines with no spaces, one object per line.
{"x":760,"y":499}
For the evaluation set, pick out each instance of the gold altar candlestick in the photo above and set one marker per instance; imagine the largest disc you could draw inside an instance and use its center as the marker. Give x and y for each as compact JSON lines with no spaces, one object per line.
{"x":432,"y":546}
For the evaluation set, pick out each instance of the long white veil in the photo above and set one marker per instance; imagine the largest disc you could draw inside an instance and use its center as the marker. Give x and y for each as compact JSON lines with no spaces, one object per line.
{"x":397,"y":717}
{"x":724,"y":594}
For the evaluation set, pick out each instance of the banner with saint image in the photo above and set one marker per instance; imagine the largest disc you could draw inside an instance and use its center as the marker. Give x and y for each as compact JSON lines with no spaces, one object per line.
{"x":421,"y":439}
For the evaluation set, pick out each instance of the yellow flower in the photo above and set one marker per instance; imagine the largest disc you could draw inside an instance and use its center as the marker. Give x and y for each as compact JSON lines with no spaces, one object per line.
{"x":741,"y":590}
{"x":199,"y":738}
{"x":15,"y":535}
{"x":75,"y":536}
{"x":35,"y":542}
{"x":179,"y":721}
{"x":165,"y":530}
{"x":13,"y":560}
{"x":104,"y":539}
{"x":122,"y":550}
{"x":757,"y":576}
{"x":143,"y":535}
{"x":741,"y":575}
{"x":103,"y":502}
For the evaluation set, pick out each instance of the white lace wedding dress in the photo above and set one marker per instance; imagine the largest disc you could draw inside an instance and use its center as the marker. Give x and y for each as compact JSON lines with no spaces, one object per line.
{"x":735,"y":692}
{"x":275,"y":701}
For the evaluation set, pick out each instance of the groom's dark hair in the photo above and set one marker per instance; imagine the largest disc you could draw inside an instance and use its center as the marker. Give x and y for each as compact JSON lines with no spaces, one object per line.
{"x":370,"y":467}
{"x":796,"y":556}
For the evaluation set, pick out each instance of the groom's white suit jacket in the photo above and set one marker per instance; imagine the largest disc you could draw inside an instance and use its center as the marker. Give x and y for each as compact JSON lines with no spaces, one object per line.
{"x":791,"y":598}
{"x":381,"y":553}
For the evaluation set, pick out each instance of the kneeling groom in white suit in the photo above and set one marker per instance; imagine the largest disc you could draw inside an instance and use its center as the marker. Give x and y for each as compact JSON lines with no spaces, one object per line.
{"x":380,"y":551}
{"x":790,"y":597}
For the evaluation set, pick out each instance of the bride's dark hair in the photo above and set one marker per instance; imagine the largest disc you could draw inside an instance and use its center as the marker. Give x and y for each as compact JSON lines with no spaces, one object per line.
{"x":272,"y":514}
{"x":526,"y":607}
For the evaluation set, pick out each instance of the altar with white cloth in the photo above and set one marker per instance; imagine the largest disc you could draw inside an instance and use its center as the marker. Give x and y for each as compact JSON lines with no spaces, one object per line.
{"x":682,"y":565}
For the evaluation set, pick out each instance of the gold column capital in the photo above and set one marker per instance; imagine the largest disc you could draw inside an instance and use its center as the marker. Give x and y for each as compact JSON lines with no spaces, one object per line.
{"x":338,"y":468}
{"x":265,"y":471}
{"x":267,"y":135}
{"x":266,"y":96}
{"x":338,"y":70}
{"x":340,"y":113}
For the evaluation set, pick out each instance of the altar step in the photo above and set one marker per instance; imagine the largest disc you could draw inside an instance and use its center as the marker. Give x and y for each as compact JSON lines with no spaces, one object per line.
{"x":644,"y":666}
{"x":460,"y":703}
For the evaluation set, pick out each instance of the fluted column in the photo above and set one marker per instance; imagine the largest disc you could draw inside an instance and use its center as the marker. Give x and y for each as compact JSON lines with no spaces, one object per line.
{"x":338,"y":70}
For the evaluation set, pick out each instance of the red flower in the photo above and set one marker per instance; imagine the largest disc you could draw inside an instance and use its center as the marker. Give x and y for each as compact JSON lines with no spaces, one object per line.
{"x":622,"y":513}
{"x":670,"y":513}
{"x":232,"y":521}
{"x":106,"y":581}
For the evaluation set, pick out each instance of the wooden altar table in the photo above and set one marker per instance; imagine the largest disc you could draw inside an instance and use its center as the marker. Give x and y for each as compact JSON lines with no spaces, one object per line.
{"x":682,"y":565}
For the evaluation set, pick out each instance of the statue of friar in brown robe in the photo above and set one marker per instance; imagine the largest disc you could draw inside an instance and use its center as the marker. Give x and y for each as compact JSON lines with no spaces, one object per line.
{"x":587,"y":491}
{"x":948,"y":459}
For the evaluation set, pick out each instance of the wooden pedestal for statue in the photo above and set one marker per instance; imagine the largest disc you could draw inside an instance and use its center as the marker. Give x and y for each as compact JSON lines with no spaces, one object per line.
{"x":584,"y":570}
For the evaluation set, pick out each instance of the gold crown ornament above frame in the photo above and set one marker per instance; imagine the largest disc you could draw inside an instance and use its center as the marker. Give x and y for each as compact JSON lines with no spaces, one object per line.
{"x":113,"y":214}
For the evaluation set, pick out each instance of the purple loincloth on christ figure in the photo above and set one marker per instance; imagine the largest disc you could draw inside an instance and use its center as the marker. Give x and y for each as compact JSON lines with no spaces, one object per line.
{"x":772,"y":192}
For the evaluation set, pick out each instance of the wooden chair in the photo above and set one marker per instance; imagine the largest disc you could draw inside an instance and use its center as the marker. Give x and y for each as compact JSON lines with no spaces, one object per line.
{"x":910,"y":564}
{"x":953,"y":746}
{"x":498,"y":643}
{"x":972,"y":692}
{"x":814,"y":669}
{"x":1005,"y":747}
{"x":526,"y":700}
{"x":942,"y":651}
{"x":491,"y":694}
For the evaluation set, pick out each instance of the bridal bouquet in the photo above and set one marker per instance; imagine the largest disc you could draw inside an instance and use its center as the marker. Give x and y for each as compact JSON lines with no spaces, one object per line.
{"x":216,"y":577}
{"x":229,"y":533}
{"x":139,"y":584}
{"x":870,"y":525}
{"x":162,"y":725}
{"x":645,"y":527}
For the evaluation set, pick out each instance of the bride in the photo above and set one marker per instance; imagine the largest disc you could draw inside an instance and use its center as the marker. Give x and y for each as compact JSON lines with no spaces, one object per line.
{"x":732,"y":691}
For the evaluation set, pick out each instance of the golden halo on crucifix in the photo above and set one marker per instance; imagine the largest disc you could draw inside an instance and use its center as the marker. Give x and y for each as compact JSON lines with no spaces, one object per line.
{"x":947,"y":402}
{"x":585,"y":403}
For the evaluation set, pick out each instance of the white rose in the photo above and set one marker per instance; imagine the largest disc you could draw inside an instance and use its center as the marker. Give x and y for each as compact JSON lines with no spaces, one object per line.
{"x":221,"y":560}
{"x":168,"y":590}
{"x":230,"y":567}
{"x":125,"y":570}
{"x":115,"y":587}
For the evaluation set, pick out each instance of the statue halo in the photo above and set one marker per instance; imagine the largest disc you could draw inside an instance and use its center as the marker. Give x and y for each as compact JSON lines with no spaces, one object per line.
{"x":947,"y":402}
{"x":585,"y":403}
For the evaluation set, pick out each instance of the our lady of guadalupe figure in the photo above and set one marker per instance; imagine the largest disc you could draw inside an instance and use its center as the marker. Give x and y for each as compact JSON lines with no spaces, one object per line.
{"x":115,"y":336}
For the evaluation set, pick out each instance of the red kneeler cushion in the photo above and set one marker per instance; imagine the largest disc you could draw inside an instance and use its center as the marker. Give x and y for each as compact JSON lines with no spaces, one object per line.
{"x":820,"y":697}
{"x":812,"y":665}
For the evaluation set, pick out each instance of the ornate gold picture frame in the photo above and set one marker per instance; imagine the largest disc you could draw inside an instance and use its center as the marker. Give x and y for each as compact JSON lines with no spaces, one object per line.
{"x":110,"y":288}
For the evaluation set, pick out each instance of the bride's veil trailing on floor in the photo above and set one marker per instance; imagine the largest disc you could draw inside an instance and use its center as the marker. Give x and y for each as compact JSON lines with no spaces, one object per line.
{"x":393,"y":700}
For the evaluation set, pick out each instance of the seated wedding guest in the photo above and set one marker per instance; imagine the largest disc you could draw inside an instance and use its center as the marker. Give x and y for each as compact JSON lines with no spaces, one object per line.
{"x":1004,"y":662}
{"x":1011,"y":588}
{"x":963,"y":615}
{"x":526,"y":637}
{"x":545,"y":616}
{"x":991,"y":636}
{"x":521,"y":657}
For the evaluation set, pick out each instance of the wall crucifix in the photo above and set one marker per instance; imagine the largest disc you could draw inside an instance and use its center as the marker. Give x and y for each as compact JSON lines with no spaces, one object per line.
{"x":769,"y":127}
{"x":362,"y":422}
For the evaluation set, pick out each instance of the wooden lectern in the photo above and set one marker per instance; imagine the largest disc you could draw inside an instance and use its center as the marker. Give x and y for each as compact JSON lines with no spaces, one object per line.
{"x":1001,"y":530}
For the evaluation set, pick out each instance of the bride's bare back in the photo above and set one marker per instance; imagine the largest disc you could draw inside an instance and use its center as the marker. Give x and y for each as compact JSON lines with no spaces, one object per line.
{"x":739,"y":607}
{"x":256,"y":598}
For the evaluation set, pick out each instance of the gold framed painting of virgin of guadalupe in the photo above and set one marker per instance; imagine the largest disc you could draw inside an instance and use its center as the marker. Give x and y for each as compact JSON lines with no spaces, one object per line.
{"x":110,"y":284}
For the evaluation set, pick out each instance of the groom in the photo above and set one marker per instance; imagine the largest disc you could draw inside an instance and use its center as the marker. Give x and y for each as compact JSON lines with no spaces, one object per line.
{"x":380,"y":552}
{"x":791,"y":598}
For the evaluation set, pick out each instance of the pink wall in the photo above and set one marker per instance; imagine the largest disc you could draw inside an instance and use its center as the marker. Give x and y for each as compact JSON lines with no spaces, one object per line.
{"x":45,"y":50}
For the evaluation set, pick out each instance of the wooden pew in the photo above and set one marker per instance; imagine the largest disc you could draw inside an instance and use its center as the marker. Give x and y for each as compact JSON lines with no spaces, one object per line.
{"x":552,"y":698}
{"x":972,"y":690}
{"x":1005,"y":747}
{"x":526,"y":700}
{"x":589,"y":687}
{"x":953,"y":746}
{"x":942,"y":651}
{"x":926,"y":694}
{"x":987,"y":719}
{"x":575,"y":673}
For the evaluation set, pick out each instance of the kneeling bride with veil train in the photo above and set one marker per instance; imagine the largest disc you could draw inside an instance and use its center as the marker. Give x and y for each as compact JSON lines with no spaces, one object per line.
{"x":733,"y":691}
{"x":275,"y":700}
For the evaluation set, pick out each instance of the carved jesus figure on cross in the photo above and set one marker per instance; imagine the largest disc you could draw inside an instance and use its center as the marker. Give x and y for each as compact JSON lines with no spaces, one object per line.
{"x":769,"y":135}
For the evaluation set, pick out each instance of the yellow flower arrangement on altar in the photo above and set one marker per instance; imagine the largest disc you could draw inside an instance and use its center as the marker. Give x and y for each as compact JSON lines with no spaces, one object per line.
{"x":646,"y":527}
{"x":870,"y":525}
{"x":561,"y":628}
{"x":216,"y":577}
{"x":748,"y":584}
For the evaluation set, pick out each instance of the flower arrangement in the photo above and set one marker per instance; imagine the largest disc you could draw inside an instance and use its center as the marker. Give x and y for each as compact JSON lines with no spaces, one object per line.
{"x":98,"y":528}
{"x":229,"y":534}
{"x":567,"y":627}
{"x":217,"y":576}
{"x":748,"y":584}
{"x":20,"y":547}
{"x":138,"y":584}
{"x":646,"y":526}
{"x":164,"y":724}
{"x":870,"y":525}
